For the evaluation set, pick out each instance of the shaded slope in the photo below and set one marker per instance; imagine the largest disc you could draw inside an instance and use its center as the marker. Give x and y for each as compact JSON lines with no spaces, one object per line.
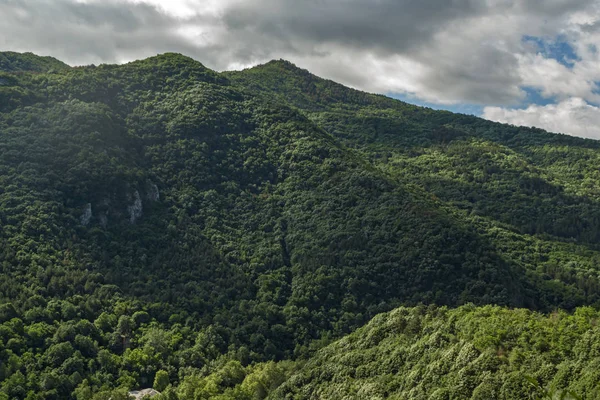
{"x":524,"y":177}
{"x":200,"y":138}
{"x":494,"y":176}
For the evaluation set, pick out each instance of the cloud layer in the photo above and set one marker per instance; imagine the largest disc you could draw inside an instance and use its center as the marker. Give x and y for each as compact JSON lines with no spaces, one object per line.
{"x":574,"y":116}
{"x":458,"y":52}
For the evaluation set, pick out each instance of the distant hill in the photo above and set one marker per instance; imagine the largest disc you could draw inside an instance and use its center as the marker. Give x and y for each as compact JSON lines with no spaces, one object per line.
{"x":29,"y":62}
{"x":160,"y":216}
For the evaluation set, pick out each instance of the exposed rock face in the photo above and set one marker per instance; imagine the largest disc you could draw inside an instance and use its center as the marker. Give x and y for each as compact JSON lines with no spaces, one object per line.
{"x":152,"y":192}
{"x":87,"y":215}
{"x":144,"y":393}
{"x":103,"y":218}
{"x":135,"y":210}
{"x":103,"y":214}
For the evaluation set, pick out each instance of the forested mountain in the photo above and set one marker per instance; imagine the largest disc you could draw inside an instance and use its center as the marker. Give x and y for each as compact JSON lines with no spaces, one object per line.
{"x":162,"y":223}
{"x":29,"y":62}
{"x":466,"y":353}
{"x":521,"y":188}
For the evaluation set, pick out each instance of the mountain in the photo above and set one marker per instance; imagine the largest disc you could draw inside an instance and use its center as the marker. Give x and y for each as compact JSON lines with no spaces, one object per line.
{"x":164,"y":223}
{"x":506,"y":181}
{"x":465,"y":353}
{"x":29,"y":62}
{"x":477,"y":353}
{"x":475,"y":165}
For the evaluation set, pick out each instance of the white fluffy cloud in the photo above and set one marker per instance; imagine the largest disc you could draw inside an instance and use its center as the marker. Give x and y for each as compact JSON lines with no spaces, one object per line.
{"x":573,"y":115}
{"x":463,"y":51}
{"x":554,"y":79}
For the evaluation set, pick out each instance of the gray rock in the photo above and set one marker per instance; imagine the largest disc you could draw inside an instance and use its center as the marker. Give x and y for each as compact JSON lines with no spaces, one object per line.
{"x":103,"y":218}
{"x":153,"y":193}
{"x":140,"y":394}
{"x":87,"y":215}
{"x":135,"y":210}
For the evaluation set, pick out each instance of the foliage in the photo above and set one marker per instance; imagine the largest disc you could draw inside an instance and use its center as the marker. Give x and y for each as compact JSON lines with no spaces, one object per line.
{"x":466,"y":353}
{"x":534,"y":196}
{"x":166,"y":225}
{"x":29,"y":62}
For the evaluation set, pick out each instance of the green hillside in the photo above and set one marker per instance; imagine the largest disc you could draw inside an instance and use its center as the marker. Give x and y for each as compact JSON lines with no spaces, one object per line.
{"x":466,"y":353}
{"x":536,"y":182}
{"x":472,"y":353}
{"x":534,"y":195}
{"x":29,"y":62}
{"x":164,"y":222}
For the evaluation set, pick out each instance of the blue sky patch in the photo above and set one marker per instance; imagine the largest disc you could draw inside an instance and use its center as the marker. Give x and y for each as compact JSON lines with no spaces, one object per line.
{"x":471,"y":109}
{"x":534,"y":96}
{"x":558,"y":49}
{"x":595,"y":91}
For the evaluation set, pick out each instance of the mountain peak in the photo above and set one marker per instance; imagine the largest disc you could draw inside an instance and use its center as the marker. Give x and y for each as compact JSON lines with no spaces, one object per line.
{"x":283,"y":64}
{"x":170,"y":59}
{"x":11,"y":61}
{"x":301,"y":88}
{"x":279,"y":66}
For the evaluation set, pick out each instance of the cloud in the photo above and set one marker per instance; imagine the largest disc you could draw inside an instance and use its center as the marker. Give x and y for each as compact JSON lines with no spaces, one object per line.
{"x":386,"y":26}
{"x":85,"y":32}
{"x":442,"y":52}
{"x":554,"y":79}
{"x":573,"y":115}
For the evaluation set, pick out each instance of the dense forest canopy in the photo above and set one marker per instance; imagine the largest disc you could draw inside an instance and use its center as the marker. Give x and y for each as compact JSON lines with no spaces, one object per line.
{"x":206,"y":234}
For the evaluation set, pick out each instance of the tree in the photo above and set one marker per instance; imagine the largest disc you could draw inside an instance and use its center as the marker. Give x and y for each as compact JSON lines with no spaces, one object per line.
{"x":161,"y":380}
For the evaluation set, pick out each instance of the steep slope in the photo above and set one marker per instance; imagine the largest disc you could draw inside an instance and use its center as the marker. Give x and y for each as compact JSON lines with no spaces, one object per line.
{"x":534,"y":195}
{"x":157,"y":217}
{"x":471,"y":163}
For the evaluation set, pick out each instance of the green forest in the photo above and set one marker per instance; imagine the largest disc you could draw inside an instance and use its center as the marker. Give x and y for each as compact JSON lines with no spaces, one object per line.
{"x":268,"y":234}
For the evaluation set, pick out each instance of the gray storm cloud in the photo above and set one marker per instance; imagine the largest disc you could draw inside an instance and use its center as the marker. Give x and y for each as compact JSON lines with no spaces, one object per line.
{"x":386,"y":26}
{"x":84,"y":33}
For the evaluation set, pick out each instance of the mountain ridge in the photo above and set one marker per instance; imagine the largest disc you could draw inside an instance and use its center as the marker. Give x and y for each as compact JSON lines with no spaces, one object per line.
{"x":29,"y":62}
{"x":161,"y":216}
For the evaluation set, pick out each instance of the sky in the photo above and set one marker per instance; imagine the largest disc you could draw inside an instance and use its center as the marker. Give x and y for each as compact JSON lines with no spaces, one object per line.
{"x":523,"y":62}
